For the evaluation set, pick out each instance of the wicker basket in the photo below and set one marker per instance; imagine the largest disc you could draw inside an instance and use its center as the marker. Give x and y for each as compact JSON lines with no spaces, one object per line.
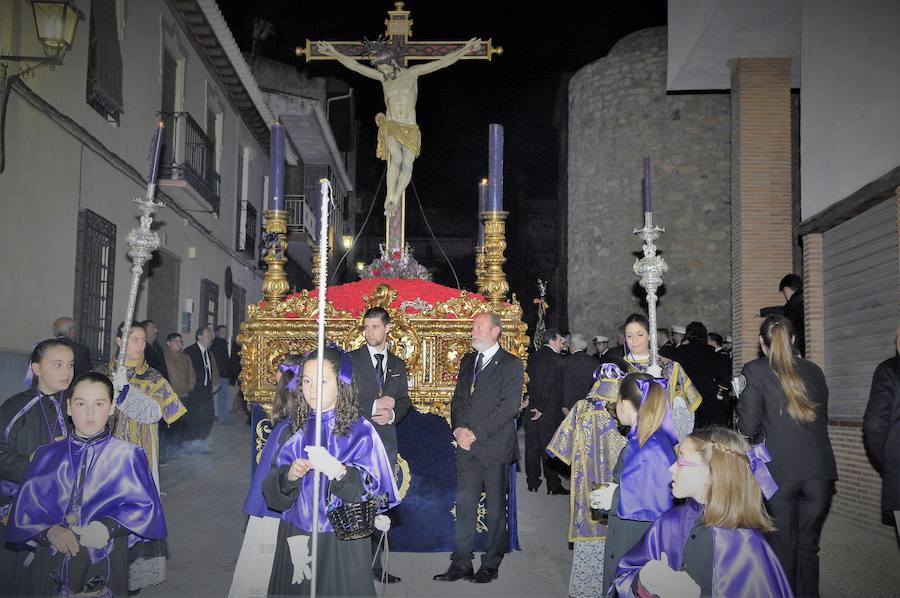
{"x":353,"y":520}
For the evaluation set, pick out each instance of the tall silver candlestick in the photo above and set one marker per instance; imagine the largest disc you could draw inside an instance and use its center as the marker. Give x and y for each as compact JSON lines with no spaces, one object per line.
{"x":142,"y":242}
{"x":649,"y":270}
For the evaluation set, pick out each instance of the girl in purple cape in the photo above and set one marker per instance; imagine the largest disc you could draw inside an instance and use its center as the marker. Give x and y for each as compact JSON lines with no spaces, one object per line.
{"x":353,"y":460}
{"x":712,"y":544}
{"x":640,"y":492}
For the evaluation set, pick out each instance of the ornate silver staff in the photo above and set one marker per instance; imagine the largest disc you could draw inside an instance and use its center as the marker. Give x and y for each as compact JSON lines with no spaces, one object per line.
{"x":142,"y":242}
{"x":650,"y":268}
{"x":541,"y":326}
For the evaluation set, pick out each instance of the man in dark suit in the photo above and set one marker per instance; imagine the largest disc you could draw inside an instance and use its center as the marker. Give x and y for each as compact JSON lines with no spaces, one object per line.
{"x":66,"y":331}
{"x":701,"y":364}
{"x":723,"y":375}
{"x":881,"y":429}
{"x":199,"y":402}
{"x":483,"y":411}
{"x":543,"y":413}
{"x":382,"y":386}
{"x":791,"y":286}
{"x":579,"y":372}
{"x":153,"y":352}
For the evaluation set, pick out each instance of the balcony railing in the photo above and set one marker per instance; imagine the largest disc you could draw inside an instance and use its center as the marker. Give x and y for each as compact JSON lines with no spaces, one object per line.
{"x":189,"y":155}
{"x":300,"y":217}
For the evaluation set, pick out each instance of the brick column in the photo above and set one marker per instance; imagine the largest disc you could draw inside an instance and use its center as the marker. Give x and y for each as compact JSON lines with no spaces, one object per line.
{"x":761,"y":216}
{"x":814,"y":299}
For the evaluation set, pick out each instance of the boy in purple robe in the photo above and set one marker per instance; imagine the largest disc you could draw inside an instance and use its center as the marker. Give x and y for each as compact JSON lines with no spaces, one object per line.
{"x":85,"y":500}
{"x":355,"y":465}
{"x":713,"y":544}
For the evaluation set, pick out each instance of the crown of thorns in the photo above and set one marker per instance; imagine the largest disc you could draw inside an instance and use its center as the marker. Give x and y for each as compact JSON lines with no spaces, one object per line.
{"x":380,"y":51}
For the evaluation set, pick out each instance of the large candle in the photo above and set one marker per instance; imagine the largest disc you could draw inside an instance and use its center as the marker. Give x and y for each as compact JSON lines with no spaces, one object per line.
{"x":648,"y":206}
{"x":276,"y":187}
{"x":482,"y":206}
{"x":157,"y":146}
{"x":495,"y":169}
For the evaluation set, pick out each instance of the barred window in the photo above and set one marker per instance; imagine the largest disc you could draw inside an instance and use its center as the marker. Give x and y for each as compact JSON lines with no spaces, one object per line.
{"x":95,"y":266}
{"x":162,"y":298}
{"x":104,"y":71}
{"x":209,"y":304}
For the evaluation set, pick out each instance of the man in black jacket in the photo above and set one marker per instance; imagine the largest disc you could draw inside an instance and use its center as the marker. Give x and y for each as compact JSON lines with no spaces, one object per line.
{"x":483,"y":415}
{"x":381,"y":382}
{"x":791,"y":286}
{"x":543,"y":413}
{"x":579,"y":372}
{"x":881,"y":429}
{"x":222,"y":400}
{"x":66,"y":331}
{"x":153,"y":351}
{"x":702,"y":365}
{"x":195,"y":427}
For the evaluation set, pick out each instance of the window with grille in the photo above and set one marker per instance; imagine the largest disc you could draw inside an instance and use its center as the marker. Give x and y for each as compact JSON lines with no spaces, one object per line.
{"x":104,"y":71}
{"x":209,"y":304}
{"x":95,"y":266}
{"x":245,"y":212}
{"x":163,"y":276}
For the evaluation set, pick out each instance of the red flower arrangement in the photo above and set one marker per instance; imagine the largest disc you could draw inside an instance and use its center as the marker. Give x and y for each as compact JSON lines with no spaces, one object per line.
{"x":396,"y":264}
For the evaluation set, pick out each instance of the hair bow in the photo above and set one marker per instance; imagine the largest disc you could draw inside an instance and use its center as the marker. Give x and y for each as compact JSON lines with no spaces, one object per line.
{"x":346,"y":373}
{"x":294,"y":369}
{"x":610,"y":371}
{"x":758,"y":455}
{"x":644,"y":385}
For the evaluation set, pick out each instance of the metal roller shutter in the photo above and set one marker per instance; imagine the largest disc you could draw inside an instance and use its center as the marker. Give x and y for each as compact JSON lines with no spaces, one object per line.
{"x":861,"y":290}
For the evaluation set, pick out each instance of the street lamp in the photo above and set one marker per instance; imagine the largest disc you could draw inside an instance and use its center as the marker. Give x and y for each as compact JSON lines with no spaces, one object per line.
{"x":54,"y":24}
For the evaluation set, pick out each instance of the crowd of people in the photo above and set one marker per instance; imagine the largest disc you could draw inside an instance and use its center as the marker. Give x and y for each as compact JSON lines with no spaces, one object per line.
{"x":683,"y":481}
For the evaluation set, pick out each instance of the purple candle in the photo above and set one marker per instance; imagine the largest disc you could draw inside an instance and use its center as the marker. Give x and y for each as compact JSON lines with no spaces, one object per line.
{"x":276,"y":187}
{"x":495,"y":169}
{"x":157,"y":146}
{"x":482,"y":206}
{"x":648,"y":206}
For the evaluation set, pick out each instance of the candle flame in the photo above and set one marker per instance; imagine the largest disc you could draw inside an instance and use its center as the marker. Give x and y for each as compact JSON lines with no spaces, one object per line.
{"x":484,"y":181}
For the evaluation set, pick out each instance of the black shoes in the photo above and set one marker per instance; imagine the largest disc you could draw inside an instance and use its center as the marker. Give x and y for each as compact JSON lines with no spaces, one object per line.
{"x":485,"y":575}
{"x":378,"y":575}
{"x":534,"y":488}
{"x":559,"y":490}
{"x":456,"y":572}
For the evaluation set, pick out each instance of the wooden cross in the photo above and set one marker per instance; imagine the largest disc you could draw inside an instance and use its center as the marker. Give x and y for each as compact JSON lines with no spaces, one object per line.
{"x":398,"y":31}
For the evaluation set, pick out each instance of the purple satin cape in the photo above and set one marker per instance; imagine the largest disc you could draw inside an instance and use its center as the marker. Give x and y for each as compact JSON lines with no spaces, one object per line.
{"x":645,"y":490}
{"x":119,"y":485}
{"x":360,"y":448}
{"x":255,"y":504}
{"x":743,"y":563}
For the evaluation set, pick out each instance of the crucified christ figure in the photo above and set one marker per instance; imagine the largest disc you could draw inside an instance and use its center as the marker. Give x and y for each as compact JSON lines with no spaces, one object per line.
{"x":399,"y":138}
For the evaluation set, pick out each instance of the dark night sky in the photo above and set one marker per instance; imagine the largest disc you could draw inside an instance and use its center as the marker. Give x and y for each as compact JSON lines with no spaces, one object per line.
{"x":541,"y":42}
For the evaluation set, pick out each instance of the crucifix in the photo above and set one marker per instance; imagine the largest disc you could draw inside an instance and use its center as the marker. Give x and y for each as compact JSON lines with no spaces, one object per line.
{"x":399,"y":137}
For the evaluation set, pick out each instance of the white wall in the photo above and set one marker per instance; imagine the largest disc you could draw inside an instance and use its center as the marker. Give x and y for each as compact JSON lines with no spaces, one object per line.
{"x":850,"y":98}
{"x":50,"y":176}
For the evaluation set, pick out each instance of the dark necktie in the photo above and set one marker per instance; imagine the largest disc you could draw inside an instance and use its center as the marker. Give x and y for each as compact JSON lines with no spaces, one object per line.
{"x":476,"y":371}
{"x":379,"y":370}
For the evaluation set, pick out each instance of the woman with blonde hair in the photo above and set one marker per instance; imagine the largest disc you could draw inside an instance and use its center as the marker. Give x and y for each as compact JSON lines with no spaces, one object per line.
{"x":785,"y":405}
{"x":712,"y":544}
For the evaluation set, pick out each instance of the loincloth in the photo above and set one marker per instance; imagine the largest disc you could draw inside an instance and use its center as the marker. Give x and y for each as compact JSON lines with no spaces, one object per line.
{"x":409,"y":136}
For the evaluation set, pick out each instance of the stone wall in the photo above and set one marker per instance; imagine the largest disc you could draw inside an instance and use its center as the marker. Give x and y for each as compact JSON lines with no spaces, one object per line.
{"x":619,"y":112}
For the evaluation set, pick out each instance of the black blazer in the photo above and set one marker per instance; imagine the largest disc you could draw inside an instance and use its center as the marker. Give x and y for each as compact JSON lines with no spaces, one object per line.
{"x":396,"y":385}
{"x":800,"y":451}
{"x":491,"y":411}
{"x":881,"y":428}
{"x":196,"y":355}
{"x":578,"y":377}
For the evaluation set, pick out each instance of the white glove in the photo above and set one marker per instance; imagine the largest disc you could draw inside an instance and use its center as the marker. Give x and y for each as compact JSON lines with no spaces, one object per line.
{"x":601,"y":498}
{"x":322,"y":461}
{"x":300,"y":557}
{"x":382,"y":523}
{"x":119,"y":379}
{"x":658,"y":578}
{"x":92,"y":535}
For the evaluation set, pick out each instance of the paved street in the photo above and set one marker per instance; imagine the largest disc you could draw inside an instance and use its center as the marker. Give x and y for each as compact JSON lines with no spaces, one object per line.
{"x":203,"y":511}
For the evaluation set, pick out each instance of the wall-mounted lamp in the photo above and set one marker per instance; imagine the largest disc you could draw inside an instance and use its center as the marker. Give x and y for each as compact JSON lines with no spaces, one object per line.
{"x":347,"y":241}
{"x":54,"y":24}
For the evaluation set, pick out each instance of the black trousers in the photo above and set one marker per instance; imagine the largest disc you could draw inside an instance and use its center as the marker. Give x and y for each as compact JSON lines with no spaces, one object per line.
{"x":473,"y":477}
{"x":536,"y":457}
{"x":799,"y":509}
